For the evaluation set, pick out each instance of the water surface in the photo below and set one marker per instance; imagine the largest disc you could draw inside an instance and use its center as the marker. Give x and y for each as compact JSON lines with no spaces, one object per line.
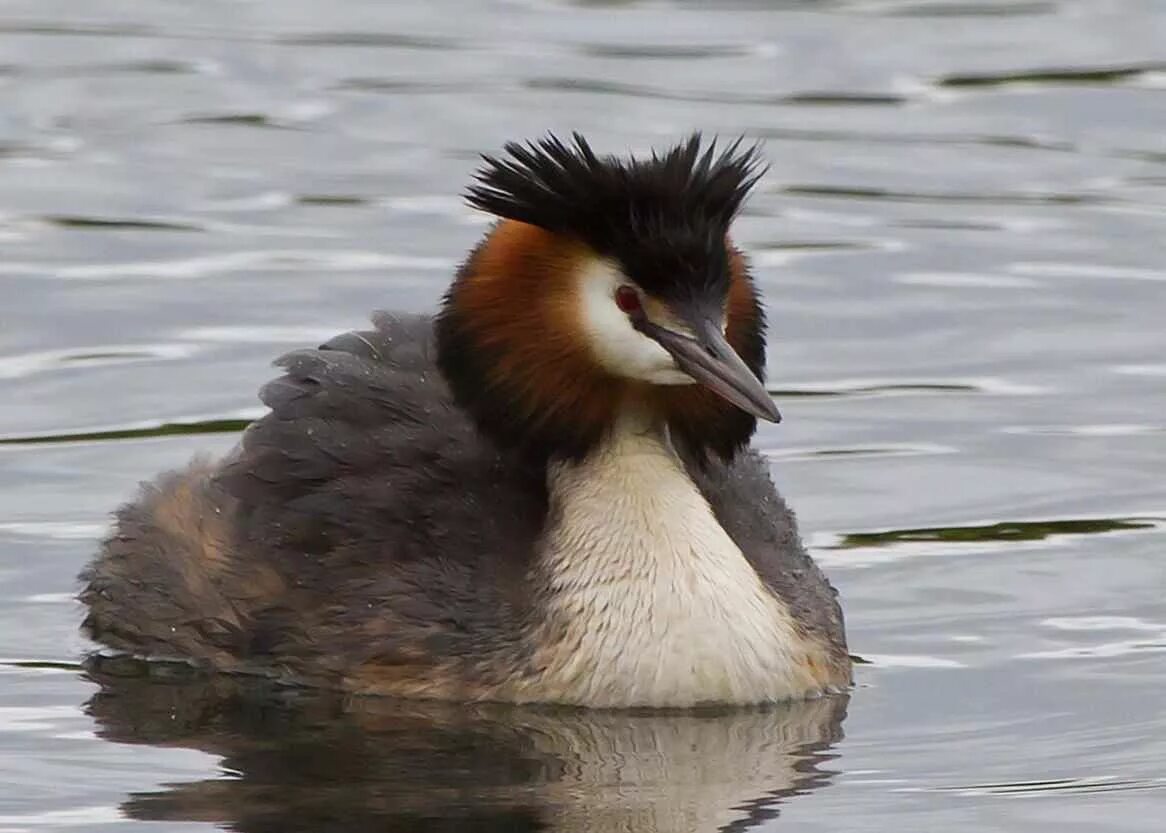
{"x":961,"y":242}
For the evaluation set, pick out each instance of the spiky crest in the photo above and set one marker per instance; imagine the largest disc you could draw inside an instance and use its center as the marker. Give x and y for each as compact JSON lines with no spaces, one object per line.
{"x":671,"y":207}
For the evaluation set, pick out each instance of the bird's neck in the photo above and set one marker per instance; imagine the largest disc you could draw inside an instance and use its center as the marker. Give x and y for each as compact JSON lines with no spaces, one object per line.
{"x":629,"y":511}
{"x":645,"y":599}
{"x":631,"y":488}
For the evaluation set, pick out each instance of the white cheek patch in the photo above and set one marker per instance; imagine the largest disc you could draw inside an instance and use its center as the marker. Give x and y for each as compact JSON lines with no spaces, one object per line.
{"x":616,"y":344}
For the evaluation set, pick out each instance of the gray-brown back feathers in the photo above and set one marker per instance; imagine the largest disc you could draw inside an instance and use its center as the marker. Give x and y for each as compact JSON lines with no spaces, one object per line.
{"x":364,"y":529}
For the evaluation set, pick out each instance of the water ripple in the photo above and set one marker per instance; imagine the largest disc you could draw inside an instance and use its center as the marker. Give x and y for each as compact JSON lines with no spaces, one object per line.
{"x":621,"y":88}
{"x":962,"y":280}
{"x":867,"y":387}
{"x":256,"y":120}
{"x":869,"y":549}
{"x":1095,"y":430}
{"x":371,"y":40}
{"x":1141,"y":369}
{"x":148,"y":66}
{"x":89,"y":223}
{"x":1062,"y":75}
{"x":280,"y":260}
{"x":47,"y":666}
{"x":1085,"y":785}
{"x":910,"y":661}
{"x":1146,"y":637}
{"x":1103,"y":623}
{"x":665,"y":51}
{"x":850,"y":453}
{"x":54,"y":530}
{"x":112,"y":30}
{"x":396,"y":86}
{"x":333,"y":200}
{"x":983,"y":8}
{"x":1099,"y":271}
{"x":1000,"y":531}
{"x":71,"y":818}
{"x":152,"y":428}
{"x":781,"y":254}
{"x":263,"y":334}
{"x":1020,"y":142}
{"x":28,"y":364}
{"x":855,"y":192}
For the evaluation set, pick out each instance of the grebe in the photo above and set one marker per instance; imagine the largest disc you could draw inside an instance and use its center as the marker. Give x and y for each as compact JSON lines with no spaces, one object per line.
{"x":545,"y":494}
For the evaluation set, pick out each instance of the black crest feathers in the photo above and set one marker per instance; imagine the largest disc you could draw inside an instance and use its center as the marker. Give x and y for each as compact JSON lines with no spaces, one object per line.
{"x":566,"y":188}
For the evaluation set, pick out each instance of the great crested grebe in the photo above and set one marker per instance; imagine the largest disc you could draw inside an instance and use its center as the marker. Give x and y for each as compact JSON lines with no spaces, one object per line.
{"x":545,"y":494}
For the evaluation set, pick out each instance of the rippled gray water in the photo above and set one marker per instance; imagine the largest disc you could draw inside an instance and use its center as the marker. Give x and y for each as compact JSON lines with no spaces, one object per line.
{"x":961,"y":240}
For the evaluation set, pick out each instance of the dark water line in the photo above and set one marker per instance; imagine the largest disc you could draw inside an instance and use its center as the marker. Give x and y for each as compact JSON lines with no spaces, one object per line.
{"x":164,"y":429}
{"x":143,"y":67}
{"x":812,"y":99}
{"x":1057,"y":75}
{"x":333,"y":200}
{"x":867,"y":390}
{"x":973,"y":9}
{"x":259,"y":120}
{"x":1001,"y":531}
{"x":974,"y":140}
{"x":75,"y":221}
{"x":39,"y":664}
{"x":872,"y":193}
{"x":373,"y":40}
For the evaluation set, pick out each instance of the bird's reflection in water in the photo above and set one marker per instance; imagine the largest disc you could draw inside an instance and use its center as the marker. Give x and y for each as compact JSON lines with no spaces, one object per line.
{"x":308,"y":761}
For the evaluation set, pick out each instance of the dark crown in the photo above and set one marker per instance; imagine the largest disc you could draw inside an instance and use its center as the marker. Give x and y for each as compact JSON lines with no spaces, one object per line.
{"x":689,"y":194}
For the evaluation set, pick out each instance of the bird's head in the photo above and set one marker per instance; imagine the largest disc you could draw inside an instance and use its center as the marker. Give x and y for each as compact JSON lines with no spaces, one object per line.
{"x":608,"y":284}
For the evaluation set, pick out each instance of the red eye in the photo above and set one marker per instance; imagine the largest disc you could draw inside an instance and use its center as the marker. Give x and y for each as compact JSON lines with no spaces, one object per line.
{"x":627,"y":299}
